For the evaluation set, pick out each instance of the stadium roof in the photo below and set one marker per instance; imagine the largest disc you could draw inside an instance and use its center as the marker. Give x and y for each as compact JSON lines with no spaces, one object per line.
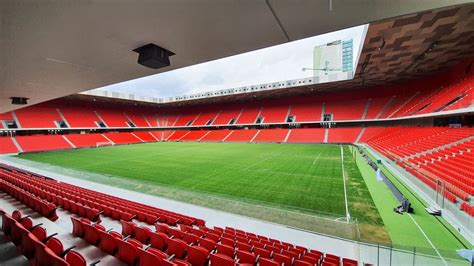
{"x":395,"y":50}
{"x":52,"y":49}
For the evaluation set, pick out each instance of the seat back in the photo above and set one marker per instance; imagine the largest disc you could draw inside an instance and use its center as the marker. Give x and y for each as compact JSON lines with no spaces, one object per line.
{"x":158,"y":240}
{"x":127,"y":252}
{"x":197,"y":256}
{"x":91,"y":234}
{"x":107,"y":243}
{"x":225,"y":249}
{"x":127,"y":228}
{"x":177,"y":247}
{"x":74,"y":258}
{"x":245,"y":257}
{"x":146,"y":258}
{"x":221,"y":260}
{"x":141,"y":234}
{"x":282,"y":258}
{"x":55,"y":245}
{"x":268,"y":262}
{"x":77,"y":227}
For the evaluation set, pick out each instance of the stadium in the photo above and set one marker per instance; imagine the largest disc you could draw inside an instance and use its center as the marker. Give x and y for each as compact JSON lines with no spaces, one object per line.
{"x":367,"y":160}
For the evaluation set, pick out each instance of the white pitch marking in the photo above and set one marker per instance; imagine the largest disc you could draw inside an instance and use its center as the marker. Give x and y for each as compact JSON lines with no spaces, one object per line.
{"x":317,"y":158}
{"x":348,"y":216}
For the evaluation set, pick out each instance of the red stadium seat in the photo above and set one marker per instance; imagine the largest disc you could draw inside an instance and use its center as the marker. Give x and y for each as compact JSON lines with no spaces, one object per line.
{"x":177,"y":247}
{"x":221,"y":260}
{"x":74,"y":258}
{"x":127,"y":252}
{"x":197,"y":256}
{"x":108,"y":243}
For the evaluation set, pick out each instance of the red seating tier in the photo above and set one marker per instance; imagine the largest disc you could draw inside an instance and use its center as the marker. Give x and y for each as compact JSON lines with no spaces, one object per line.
{"x":42,"y":143}
{"x":271,"y":135}
{"x":80,"y":117}
{"x":145,"y":136}
{"x":7,"y":145}
{"x":122,"y":137}
{"x":308,"y":135}
{"x":249,"y":115}
{"x":216,"y":135}
{"x":113,"y":117}
{"x":85,"y":140}
{"x":241,"y":135}
{"x":177,"y":135}
{"x":195,"y":135}
{"x":343,"y":135}
{"x":38,"y":116}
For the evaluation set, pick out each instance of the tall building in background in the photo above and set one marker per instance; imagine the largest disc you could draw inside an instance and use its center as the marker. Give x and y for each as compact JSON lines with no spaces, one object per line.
{"x":333,"y":57}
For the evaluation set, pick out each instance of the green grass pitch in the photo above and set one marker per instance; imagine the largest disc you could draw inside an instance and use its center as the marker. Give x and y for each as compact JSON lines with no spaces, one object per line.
{"x":299,"y":177}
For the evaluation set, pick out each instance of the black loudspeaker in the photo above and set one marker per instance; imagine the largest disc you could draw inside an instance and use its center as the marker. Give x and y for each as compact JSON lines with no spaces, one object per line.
{"x":19,"y":100}
{"x":153,"y":56}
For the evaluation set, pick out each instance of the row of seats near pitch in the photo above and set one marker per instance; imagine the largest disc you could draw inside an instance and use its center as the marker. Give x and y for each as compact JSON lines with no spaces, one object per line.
{"x":171,"y":243}
{"x":197,"y":246}
{"x":432,"y":155}
{"x":33,"y":242}
{"x":88,"y":203}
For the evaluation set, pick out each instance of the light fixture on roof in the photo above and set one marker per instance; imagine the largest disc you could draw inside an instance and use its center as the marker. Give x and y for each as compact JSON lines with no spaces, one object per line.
{"x":153,"y":56}
{"x":19,"y":100}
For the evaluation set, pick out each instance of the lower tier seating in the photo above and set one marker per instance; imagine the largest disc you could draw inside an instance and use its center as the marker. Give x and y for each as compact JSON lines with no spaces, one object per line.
{"x":307,"y":135}
{"x":86,"y":140}
{"x":122,"y":138}
{"x":7,"y":145}
{"x":149,"y":236}
{"x":271,"y":135}
{"x":42,"y":143}
{"x":435,"y":155}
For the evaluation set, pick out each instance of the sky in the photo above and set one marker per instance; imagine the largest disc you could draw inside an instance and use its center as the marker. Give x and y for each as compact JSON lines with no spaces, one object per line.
{"x":277,"y":63}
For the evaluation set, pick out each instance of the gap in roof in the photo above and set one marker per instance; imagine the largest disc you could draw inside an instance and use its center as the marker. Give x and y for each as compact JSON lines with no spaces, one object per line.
{"x":277,"y":63}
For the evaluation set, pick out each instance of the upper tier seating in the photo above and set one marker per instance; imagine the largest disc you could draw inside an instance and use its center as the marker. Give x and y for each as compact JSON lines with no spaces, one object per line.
{"x":122,"y":138}
{"x":85,"y":140}
{"x":306,"y":110}
{"x":175,"y":240}
{"x":308,"y":135}
{"x":227,"y":113}
{"x":42,"y":143}
{"x":275,"y":112}
{"x":78,"y":116}
{"x":346,"y":109}
{"x":186,"y":119}
{"x":205,"y":117}
{"x":113,"y":117}
{"x":137,"y":118}
{"x":4,"y":117}
{"x":38,"y":116}
{"x":376,"y":106}
{"x":249,"y":115}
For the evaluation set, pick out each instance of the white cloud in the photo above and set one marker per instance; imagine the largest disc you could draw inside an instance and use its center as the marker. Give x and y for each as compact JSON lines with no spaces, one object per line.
{"x":277,"y":63}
